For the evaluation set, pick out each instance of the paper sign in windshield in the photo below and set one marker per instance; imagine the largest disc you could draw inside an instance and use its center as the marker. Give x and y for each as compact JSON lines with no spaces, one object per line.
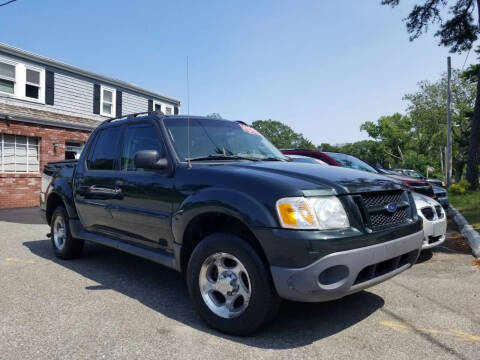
{"x":249,"y":129}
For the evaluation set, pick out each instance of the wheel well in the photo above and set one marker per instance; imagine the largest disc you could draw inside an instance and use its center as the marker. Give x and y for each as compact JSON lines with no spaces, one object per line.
{"x":53,"y":201}
{"x":209,"y":223}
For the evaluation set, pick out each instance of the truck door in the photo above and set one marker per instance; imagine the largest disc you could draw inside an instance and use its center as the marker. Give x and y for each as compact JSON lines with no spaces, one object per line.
{"x":143,"y":213}
{"x":95,"y":178}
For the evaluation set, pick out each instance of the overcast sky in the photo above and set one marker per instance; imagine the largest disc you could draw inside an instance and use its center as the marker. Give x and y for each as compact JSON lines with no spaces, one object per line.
{"x":322,"y":67}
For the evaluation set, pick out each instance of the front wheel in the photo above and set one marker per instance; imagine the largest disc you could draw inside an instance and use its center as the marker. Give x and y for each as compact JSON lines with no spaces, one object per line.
{"x":230,"y":285}
{"x":64,"y":245}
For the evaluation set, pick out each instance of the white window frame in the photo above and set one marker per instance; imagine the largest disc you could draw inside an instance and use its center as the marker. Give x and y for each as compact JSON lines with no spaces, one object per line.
{"x":2,"y":163}
{"x":13,"y":63}
{"x":21,"y":80}
{"x":41,"y":86}
{"x":114,"y":99}
{"x":158,"y":103}
{"x":171,"y":110}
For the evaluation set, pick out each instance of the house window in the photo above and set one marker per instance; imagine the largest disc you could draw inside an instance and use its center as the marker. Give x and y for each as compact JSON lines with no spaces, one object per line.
{"x":19,"y":154}
{"x":32,"y":85}
{"x":168,"y":110}
{"x":157,"y":106}
{"x":73,"y":149}
{"x":21,"y":80}
{"x":107,"y":102}
{"x":7,"y":78}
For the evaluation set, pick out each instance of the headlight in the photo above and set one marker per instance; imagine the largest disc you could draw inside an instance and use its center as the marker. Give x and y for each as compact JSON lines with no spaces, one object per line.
{"x":319,"y":213}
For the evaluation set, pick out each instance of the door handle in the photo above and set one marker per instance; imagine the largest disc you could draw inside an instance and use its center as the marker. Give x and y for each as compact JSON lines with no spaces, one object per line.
{"x":104,"y":190}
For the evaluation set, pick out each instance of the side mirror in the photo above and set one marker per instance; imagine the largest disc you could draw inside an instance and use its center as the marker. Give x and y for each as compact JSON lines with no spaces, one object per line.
{"x":150,"y":159}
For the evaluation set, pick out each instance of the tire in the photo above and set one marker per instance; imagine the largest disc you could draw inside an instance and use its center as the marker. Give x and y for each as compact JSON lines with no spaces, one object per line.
{"x":223,"y":267}
{"x":64,"y":246}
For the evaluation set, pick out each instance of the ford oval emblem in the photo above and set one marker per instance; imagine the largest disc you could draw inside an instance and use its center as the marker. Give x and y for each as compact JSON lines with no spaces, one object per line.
{"x":392,"y":207}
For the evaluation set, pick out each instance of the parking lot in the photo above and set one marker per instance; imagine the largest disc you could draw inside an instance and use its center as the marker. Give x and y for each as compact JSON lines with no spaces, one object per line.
{"x":112,"y":305}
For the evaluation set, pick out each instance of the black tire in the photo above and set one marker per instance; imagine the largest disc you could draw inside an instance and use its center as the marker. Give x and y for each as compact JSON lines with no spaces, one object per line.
{"x":70,"y":247}
{"x":263,"y":303}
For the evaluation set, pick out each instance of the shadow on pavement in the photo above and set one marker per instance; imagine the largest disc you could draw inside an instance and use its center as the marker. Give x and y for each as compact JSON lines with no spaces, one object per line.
{"x":29,"y":215}
{"x":425,"y":255}
{"x":163,"y":290}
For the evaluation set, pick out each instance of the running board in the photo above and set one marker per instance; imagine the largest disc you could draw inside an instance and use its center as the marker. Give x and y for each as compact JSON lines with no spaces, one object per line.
{"x":79,"y":232}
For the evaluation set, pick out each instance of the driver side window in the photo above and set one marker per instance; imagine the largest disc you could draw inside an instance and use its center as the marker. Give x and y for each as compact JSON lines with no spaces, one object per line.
{"x":139,"y":137}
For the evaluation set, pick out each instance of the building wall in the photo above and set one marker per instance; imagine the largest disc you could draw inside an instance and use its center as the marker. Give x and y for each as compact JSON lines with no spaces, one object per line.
{"x":23,"y":189}
{"x":133,"y":103}
{"x":73,"y":93}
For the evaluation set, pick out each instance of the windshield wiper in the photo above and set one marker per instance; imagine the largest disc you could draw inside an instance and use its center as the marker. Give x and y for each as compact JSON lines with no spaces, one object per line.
{"x":221,"y":157}
{"x":271,"y":159}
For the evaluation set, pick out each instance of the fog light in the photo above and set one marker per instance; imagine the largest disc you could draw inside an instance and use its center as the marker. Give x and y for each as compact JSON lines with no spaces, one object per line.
{"x":333,"y":277}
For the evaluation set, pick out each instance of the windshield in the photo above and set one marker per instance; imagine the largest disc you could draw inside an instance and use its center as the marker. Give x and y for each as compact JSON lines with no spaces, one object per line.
{"x":222,"y":138}
{"x":415,"y":174}
{"x":351,"y":162}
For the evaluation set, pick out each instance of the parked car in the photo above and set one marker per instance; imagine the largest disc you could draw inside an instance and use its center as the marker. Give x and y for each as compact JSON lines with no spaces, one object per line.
{"x":313,"y":154}
{"x":305,"y":159}
{"x":352,"y":162}
{"x":417,"y":175}
{"x":441,"y":196}
{"x":245,"y":225}
{"x":434,"y":220}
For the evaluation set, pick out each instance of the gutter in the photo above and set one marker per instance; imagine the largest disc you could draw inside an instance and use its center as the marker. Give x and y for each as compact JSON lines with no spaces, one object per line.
{"x":48,"y":122}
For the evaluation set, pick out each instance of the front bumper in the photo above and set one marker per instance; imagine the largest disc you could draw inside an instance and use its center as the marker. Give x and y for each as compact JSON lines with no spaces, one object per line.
{"x":342,"y":273}
{"x":434,"y":232}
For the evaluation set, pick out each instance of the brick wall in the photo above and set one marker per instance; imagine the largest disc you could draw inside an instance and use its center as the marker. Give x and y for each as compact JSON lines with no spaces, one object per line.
{"x":22,"y":189}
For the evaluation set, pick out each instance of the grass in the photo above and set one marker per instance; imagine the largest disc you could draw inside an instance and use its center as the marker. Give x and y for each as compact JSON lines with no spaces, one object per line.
{"x":469,"y":205}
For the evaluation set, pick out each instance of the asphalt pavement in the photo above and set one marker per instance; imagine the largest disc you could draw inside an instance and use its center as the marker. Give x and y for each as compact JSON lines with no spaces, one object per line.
{"x":111,"y":305}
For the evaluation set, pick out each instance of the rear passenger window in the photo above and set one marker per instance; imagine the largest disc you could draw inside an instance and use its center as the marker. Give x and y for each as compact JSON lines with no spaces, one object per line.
{"x":105,"y":149}
{"x":139,"y":137}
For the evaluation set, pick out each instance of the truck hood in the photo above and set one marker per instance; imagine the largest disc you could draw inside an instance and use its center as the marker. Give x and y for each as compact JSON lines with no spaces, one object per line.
{"x":314,"y":179}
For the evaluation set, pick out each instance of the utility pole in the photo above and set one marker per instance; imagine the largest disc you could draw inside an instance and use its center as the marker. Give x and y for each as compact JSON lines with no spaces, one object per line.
{"x":441,"y":162}
{"x":448,"y":156}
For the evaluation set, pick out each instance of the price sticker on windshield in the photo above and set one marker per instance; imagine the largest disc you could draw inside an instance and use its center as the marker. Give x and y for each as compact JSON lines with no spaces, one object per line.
{"x":249,"y":129}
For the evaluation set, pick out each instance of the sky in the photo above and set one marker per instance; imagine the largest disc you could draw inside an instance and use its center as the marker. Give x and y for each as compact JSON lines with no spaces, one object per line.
{"x":322,"y":67}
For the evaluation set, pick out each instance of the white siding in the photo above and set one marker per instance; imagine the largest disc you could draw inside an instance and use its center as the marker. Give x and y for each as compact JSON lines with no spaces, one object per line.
{"x":133,"y":103}
{"x":73,"y":95}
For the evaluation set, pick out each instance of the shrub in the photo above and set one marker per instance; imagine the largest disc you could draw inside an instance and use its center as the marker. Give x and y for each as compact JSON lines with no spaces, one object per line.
{"x":460,"y":188}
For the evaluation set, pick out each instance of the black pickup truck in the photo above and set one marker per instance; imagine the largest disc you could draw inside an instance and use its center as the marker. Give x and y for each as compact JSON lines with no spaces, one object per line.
{"x":215,"y":200}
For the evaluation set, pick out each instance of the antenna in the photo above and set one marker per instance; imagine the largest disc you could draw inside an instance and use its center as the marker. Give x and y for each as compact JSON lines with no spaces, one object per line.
{"x":189,"y":164}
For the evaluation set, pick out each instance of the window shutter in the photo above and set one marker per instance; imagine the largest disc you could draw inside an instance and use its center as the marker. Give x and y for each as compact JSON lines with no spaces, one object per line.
{"x":175,"y":110}
{"x":49,"y":87}
{"x":150,"y":105}
{"x":96,"y":99}
{"x":118,"y":105}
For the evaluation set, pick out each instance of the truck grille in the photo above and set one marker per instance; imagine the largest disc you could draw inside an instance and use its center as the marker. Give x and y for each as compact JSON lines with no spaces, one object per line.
{"x":374,"y":208}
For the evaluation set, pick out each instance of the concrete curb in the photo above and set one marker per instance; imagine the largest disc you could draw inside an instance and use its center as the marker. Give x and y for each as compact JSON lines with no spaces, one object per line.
{"x":467,"y":230}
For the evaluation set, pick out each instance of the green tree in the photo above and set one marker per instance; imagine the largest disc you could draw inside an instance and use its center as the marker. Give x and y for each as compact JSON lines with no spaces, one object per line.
{"x":458,"y":32}
{"x":395,"y":133}
{"x":281,"y":135}
{"x":427,"y":108}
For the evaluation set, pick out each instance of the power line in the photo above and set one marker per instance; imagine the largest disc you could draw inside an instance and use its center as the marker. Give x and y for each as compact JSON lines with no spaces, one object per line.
{"x":7,"y":2}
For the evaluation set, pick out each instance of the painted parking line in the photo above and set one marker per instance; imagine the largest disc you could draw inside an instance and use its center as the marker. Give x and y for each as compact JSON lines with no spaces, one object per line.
{"x":404,"y":327}
{"x":19,"y":261}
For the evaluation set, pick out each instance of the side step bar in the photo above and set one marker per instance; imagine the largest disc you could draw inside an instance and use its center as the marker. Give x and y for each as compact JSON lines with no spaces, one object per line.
{"x":158,"y":257}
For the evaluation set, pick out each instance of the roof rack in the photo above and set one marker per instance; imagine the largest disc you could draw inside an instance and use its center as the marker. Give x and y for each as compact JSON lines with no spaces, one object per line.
{"x":134,"y":115}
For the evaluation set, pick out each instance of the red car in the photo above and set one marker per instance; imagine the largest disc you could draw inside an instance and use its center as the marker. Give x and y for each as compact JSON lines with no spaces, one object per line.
{"x":352,"y":162}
